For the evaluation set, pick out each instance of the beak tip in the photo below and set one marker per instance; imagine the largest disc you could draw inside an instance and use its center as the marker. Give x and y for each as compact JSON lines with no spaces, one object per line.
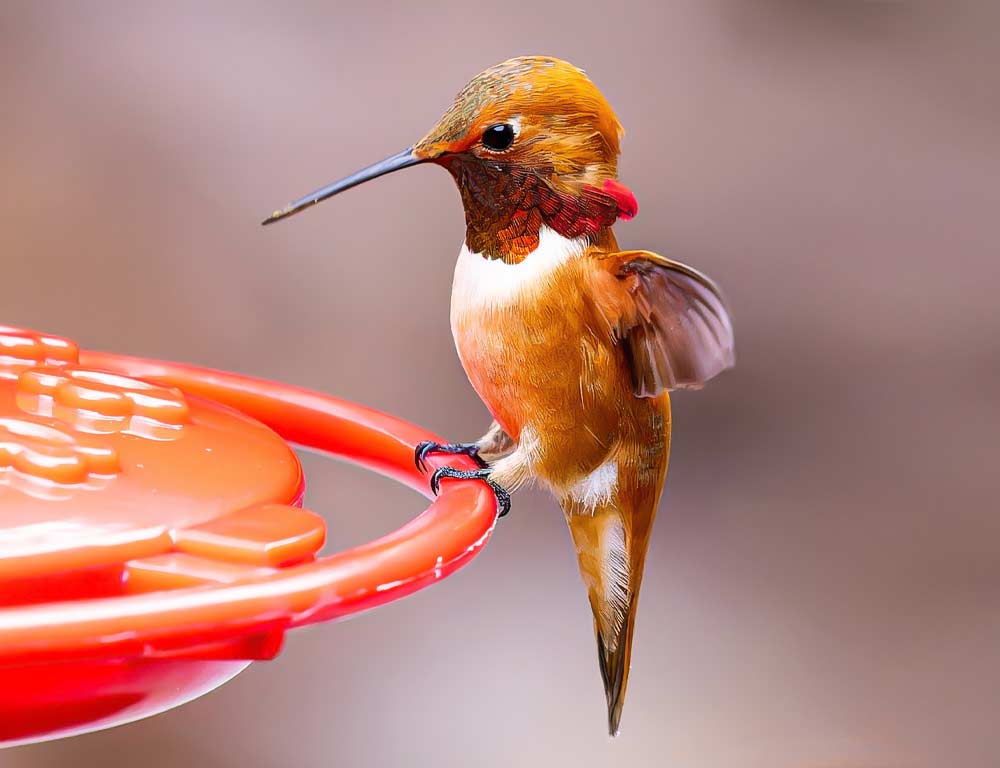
{"x":277,"y":216}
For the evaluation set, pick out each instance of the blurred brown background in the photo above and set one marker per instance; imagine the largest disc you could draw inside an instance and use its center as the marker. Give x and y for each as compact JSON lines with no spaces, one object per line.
{"x":824,"y":582}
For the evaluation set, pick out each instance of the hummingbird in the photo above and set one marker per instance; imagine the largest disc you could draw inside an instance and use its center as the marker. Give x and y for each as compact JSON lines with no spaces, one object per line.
{"x":572,"y":343}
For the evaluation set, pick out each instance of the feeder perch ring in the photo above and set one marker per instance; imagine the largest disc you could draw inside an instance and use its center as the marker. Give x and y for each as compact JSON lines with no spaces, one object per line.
{"x":152,"y":537}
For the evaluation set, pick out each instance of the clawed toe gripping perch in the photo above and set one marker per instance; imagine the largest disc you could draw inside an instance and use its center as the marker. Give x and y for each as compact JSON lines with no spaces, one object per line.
{"x":425,"y":448}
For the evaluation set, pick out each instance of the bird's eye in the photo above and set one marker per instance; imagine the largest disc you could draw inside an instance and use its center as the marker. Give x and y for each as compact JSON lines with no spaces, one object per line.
{"x":498,"y":137}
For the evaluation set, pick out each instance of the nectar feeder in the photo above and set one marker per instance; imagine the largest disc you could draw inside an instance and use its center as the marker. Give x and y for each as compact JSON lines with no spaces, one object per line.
{"x":152,"y":537}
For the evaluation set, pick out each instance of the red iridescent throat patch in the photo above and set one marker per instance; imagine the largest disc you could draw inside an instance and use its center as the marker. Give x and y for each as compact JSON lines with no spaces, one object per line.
{"x":506,"y":208}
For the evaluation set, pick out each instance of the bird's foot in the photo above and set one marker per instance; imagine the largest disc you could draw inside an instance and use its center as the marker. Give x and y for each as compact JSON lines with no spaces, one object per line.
{"x":427,"y":447}
{"x":503,"y":498}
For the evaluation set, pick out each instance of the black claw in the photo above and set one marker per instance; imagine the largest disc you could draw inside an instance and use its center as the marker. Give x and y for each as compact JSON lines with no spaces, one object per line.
{"x":427,"y":447}
{"x":436,"y":482}
{"x":503,"y":498}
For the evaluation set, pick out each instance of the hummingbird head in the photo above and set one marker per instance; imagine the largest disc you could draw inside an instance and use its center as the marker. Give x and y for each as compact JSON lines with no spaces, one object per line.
{"x":531,"y":143}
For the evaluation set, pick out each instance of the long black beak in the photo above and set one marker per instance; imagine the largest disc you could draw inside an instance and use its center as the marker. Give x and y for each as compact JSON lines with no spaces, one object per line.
{"x":404,"y":159}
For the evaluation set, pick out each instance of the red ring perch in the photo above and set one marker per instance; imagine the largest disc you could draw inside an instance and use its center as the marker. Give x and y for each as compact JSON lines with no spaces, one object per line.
{"x":78,"y":646}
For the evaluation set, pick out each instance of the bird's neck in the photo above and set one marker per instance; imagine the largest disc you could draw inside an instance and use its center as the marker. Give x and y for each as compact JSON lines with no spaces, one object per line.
{"x":505,"y":210}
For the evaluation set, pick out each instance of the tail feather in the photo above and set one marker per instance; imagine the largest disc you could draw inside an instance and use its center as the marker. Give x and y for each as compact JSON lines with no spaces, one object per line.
{"x":614,"y":660}
{"x":611,"y":550}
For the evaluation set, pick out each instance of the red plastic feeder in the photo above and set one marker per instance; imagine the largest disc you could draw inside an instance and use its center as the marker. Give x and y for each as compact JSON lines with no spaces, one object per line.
{"x":152,"y":540}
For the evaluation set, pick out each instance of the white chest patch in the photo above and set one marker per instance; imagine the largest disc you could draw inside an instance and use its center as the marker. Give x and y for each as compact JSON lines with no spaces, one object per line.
{"x":482,"y":283}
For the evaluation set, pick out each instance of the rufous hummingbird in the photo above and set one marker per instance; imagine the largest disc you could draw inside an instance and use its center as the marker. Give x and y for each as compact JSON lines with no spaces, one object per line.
{"x":572,"y":343}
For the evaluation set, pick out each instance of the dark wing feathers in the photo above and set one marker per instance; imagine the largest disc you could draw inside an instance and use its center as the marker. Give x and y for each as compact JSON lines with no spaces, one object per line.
{"x":680,"y":335}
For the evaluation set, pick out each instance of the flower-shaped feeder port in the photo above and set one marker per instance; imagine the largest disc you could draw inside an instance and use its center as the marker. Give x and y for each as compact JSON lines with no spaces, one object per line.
{"x":152,"y":539}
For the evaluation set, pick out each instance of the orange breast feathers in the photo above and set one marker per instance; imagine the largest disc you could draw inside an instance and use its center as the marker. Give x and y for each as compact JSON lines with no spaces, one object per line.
{"x":539,"y":348}
{"x":574,"y":340}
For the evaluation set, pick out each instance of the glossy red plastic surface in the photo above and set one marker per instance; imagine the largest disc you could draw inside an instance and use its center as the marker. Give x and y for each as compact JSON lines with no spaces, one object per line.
{"x":152,"y":541}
